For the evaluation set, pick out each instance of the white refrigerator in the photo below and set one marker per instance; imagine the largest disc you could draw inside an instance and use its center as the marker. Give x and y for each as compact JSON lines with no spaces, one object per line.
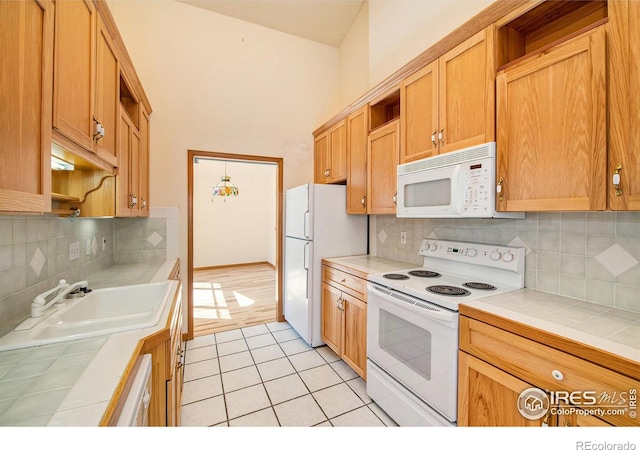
{"x":317,"y":226}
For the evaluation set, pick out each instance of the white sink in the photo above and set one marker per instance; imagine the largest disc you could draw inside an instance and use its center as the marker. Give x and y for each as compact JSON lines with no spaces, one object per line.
{"x":100,"y":312}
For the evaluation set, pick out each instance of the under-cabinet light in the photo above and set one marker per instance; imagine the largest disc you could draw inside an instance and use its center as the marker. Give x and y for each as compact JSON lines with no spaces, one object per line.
{"x":60,"y":164}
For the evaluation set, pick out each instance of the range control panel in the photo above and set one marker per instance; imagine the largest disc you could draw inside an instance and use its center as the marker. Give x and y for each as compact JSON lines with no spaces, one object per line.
{"x":487,"y":255}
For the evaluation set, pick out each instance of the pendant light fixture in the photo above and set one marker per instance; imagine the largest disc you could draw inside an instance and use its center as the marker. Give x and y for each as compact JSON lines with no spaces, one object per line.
{"x":225,"y":188}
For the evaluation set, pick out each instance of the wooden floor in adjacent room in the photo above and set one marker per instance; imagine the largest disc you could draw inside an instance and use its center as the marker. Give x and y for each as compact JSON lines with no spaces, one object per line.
{"x":233,"y":297}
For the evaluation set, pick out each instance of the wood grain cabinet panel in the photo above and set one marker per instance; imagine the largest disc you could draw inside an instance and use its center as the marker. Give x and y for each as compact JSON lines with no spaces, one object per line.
{"x":357,"y":141}
{"x":449,"y":104}
{"x":552,"y":128}
{"x":383,"y":159}
{"x":330,"y":161}
{"x":75,"y":71}
{"x":344,"y":316}
{"x":26,"y":58}
{"x":496,"y":364}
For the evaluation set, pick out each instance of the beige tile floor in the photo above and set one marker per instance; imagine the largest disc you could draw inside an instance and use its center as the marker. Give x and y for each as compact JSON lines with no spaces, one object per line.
{"x":265,"y":375}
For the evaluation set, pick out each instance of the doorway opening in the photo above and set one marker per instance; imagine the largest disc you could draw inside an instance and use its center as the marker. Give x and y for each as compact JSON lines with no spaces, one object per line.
{"x":234,"y":243}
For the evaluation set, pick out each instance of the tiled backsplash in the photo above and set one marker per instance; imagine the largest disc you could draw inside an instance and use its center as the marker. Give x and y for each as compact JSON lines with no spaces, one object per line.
{"x":590,"y":256}
{"x":35,"y":254}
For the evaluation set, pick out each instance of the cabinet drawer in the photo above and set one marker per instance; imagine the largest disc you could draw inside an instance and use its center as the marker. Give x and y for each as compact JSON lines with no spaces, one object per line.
{"x":343,"y":280}
{"x":549,"y":369}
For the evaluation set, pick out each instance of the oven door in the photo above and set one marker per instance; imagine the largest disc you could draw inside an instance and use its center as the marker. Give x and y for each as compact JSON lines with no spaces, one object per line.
{"x":430,"y":193}
{"x":416,"y":343}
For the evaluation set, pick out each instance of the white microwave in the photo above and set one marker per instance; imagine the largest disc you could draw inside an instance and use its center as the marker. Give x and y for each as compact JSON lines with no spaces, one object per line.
{"x":461,"y":183}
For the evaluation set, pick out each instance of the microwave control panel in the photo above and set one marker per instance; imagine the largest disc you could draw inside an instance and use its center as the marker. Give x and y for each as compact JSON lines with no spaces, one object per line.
{"x":478,"y":178}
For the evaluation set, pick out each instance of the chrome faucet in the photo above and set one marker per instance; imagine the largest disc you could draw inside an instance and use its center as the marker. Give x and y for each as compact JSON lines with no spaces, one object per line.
{"x":54,"y":296}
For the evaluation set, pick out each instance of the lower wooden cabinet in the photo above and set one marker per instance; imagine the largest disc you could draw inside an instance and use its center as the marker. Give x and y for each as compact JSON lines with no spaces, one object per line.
{"x":501,"y":370}
{"x":167,"y":353}
{"x":344,"y":316}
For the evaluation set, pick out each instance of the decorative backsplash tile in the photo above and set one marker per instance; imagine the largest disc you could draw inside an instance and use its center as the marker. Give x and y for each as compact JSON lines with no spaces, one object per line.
{"x":35,"y":254}
{"x":589,"y":256}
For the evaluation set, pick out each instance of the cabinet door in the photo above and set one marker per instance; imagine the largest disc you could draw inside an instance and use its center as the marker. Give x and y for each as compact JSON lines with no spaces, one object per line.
{"x":26,"y":58}
{"x":338,"y":153}
{"x":624,"y":104}
{"x":383,"y":157}
{"x":74,"y":71}
{"x":126,"y":184}
{"x":419,"y":115}
{"x":487,"y":396}
{"x":354,"y":348}
{"x":466,"y":79}
{"x":552,"y":143}
{"x":357,"y":135}
{"x":321,"y":158}
{"x":331,"y":318}
{"x":107,"y":107}
{"x":143,"y":169}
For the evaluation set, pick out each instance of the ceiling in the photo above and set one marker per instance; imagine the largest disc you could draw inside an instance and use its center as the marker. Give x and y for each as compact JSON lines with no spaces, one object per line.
{"x":324,"y":21}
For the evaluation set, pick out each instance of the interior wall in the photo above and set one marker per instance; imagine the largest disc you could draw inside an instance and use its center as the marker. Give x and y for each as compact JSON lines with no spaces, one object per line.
{"x":354,"y":59}
{"x":402,"y":29}
{"x":233,"y":230}
{"x":223,"y":85}
{"x":388,"y":34}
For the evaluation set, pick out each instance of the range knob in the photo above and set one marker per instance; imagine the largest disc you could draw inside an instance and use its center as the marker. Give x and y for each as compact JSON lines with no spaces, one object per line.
{"x":496,"y":255}
{"x":508,"y":257}
{"x":425,"y":247}
{"x":472,"y":252}
{"x":433,"y":247}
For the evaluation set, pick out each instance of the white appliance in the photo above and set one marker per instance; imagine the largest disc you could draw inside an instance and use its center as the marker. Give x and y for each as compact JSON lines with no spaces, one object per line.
{"x":412,"y":326}
{"x":455,"y":184}
{"x":317,"y":226}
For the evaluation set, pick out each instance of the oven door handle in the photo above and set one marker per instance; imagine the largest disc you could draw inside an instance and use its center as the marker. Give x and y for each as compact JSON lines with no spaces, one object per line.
{"x":426,"y":309}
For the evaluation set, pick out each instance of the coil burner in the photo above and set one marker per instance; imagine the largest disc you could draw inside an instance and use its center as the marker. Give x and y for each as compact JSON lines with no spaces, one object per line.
{"x":396,"y":276}
{"x":424,"y":273}
{"x":448,"y":290}
{"x":478,"y":285}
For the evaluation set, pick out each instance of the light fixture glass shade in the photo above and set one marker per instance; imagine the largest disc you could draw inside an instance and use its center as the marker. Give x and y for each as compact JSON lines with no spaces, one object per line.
{"x":225,"y":188}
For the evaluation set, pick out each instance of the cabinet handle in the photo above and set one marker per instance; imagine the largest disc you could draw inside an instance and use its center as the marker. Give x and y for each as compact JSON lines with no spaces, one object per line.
{"x":616,"y":180}
{"x":134,"y":200}
{"x":433,"y":138}
{"x":556,"y":374}
{"x":98,"y":130}
{"x":441,"y":136}
{"x":395,"y":198}
{"x":363,"y":200}
{"x":143,"y":203}
{"x":327,"y":172}
{"x":499,"y":189}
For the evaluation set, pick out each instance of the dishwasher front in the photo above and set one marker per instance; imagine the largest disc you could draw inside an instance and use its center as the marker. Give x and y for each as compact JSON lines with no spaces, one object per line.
{"x":135,"y":412}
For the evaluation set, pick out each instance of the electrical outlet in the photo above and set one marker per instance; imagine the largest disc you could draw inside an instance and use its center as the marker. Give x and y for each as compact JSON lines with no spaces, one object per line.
{"x":88,"y":250}
{"x":403,"y":237}
{"x":74,"y":251}
{"x":104,"y":244}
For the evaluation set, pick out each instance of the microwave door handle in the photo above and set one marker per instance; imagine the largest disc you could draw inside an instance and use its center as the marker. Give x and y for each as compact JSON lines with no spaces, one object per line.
{"x":456,"y":195}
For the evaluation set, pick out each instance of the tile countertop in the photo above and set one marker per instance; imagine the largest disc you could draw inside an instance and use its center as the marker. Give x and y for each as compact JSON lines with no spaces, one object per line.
{"x":71,"y":383}
{"x":371,"y":264}
{"x":613,"y":330}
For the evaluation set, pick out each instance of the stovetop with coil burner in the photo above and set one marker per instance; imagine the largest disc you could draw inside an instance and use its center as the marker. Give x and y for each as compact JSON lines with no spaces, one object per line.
{"x":456,"y":272}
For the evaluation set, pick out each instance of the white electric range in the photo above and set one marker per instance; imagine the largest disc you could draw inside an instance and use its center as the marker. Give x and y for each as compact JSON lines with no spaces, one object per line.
{"x":412,"y":325}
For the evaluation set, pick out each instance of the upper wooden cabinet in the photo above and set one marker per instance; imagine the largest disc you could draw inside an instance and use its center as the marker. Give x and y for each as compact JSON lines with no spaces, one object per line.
{"x":383,"y":159}
{"x":624,"y":105}
{"x":357,"y":141}
{"x":26,"y":58}
{"x":449,"y":104}
{"x":331,"y":155}
{"x":85,"y":81}
{"x":552,"y":128}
